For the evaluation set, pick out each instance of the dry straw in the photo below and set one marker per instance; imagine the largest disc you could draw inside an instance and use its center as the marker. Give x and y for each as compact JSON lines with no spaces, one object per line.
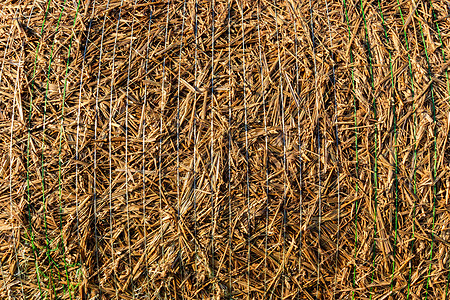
{"x":225,"y":149}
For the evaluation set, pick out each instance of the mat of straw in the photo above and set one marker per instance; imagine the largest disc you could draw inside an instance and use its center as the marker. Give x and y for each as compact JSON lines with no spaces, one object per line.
{"x":224,"y":149}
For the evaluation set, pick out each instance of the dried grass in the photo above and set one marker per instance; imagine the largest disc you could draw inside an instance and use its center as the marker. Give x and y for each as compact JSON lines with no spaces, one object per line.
{"x":134,"y":206}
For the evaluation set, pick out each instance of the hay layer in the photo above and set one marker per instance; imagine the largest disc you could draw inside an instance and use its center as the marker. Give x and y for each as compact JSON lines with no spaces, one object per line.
{"x":224,"y":150}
